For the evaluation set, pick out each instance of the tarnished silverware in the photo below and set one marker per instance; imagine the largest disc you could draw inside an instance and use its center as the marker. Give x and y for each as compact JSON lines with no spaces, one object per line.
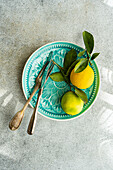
{"x":18,"y":117}
{"x":33,"y":119}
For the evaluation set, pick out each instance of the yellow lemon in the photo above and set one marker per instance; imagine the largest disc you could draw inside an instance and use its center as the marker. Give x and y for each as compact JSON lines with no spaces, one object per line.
{"x":84,"y":79}
{"x":71,"y":103}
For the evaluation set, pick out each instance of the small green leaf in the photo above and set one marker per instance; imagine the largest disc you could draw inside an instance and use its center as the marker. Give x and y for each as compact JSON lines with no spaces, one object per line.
{"x":81,"y":65}
{"x":57,"y":77}
{"x":72,"y":67}
{"x":67,"y":80}
{"x":80,"y":54}
{"x":81,"y":94}
{"x":94,"y":56}
{"x":88,"y":41}
{"x":70,"y":57}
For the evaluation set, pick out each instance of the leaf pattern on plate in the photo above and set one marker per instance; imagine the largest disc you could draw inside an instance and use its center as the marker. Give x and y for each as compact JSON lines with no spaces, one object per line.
{"x":53,"y":91}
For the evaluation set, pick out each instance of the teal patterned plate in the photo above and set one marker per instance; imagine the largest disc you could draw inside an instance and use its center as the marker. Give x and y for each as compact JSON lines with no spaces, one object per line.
{"x":53,"y":91}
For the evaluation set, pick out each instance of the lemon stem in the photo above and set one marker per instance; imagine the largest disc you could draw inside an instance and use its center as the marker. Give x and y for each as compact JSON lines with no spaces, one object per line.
{"x":88,"y":58}
{"x":90,"y":62}
{"x":87,"y":55}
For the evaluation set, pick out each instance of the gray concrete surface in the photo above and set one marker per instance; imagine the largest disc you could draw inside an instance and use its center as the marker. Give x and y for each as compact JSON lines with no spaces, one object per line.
{"x":85,"y":143}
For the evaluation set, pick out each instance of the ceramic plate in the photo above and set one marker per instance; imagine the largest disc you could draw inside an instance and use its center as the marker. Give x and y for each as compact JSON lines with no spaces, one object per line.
{"x":53,"y":91}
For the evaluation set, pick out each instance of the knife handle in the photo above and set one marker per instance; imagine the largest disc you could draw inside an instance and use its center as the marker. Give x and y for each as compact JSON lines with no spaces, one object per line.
{"x":33,"y":119}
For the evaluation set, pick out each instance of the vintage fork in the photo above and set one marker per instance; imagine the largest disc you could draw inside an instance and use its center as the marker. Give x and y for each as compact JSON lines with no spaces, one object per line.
{"x":18,"y":117}
{"x":33,"y":119}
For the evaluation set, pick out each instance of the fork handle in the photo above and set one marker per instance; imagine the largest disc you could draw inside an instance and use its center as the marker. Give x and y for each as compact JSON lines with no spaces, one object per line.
{"x":33,"y":119}
{"x":37,"y":86}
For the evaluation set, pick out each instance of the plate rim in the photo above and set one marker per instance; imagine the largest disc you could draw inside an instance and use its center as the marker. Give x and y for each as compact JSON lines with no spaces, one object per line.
{"x":57,"y":119}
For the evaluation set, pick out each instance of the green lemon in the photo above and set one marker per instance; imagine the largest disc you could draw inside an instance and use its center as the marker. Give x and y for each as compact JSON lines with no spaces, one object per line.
{"x":71,"y":103}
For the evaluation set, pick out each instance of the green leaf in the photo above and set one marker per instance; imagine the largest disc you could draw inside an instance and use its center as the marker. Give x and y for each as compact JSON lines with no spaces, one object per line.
{"x":81,"y":65}
{"x":80,"y":54}
{"x":57,"y":77}
{"x":70,"y":57}
{"x":72,"y":67}
{"x":88,"y":41}
{"x":81,"y":94}
{"x":94,"y":56}
{"x":67,"y":80}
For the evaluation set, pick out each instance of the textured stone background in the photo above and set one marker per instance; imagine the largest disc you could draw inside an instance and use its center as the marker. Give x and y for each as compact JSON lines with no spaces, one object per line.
{"x":85,"y":143}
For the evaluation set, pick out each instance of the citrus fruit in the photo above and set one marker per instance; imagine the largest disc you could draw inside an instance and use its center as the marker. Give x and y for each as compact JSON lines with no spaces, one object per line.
{"x":83,"y":79}
{"x":71,"y":103}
